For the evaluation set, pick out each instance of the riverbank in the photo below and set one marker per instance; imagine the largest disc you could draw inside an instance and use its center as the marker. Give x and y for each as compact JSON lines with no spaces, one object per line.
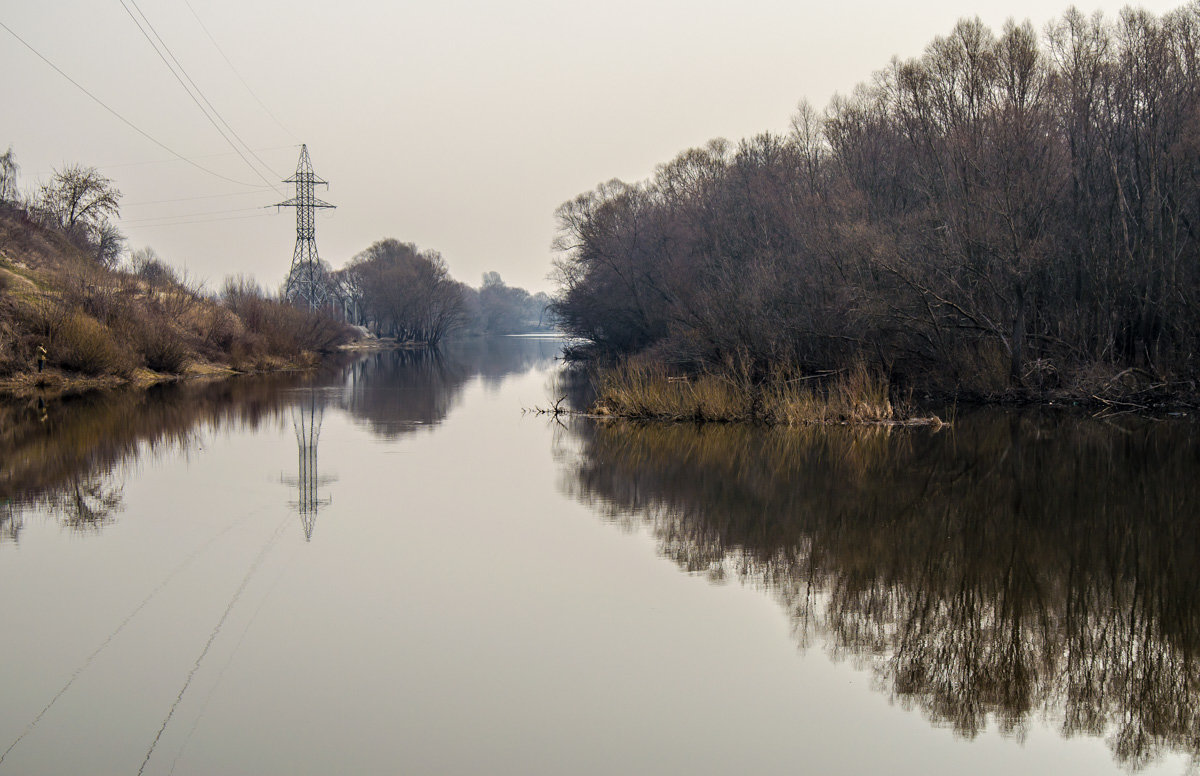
{"x":70,"y":323}
{"x":55,"y":383}
{"x":646,"y":390}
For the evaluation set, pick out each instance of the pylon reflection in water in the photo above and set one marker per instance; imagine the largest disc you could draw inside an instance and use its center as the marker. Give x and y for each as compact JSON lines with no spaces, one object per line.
{"x":307,"y":417}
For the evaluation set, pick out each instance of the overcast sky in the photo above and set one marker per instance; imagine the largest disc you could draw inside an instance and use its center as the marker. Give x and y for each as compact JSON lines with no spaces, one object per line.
{"x":459,"y":126}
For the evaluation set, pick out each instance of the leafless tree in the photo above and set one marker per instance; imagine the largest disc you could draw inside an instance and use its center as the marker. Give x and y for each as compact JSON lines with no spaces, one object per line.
{"x":8,"y":176}
{"x":999,"y":213}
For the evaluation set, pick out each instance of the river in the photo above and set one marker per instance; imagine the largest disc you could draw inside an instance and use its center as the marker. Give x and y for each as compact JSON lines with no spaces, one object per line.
{"x":389,"y":566}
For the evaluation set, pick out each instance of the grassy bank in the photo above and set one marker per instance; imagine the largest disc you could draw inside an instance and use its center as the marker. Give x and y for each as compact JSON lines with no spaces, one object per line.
{"x":640,"y":389}
{"x":101,"y":326}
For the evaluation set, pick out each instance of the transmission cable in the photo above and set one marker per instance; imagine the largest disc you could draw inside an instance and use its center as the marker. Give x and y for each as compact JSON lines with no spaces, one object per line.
{"x":123,"y":120}
{"x":141,"y":227}
{"x":147,"y":220}
{"x":142,"y":162}
{"x":220,"y":51}
{"x":189,"y":199}
{"x":200,"y":92}
{"x":190,"y":93}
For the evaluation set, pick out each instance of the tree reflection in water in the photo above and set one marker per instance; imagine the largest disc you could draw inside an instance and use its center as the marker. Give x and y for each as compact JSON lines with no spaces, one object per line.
{"x":1020,"y":564}
{"x":395,"y":392}
{"x":68,"y":458}
{"x":400,"y":391}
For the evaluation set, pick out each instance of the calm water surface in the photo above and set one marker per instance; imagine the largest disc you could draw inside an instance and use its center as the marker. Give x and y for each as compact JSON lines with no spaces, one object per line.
{"x":388,"y":568}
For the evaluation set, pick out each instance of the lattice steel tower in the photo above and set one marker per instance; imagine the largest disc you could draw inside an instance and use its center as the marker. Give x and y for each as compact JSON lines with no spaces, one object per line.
{"x":307,"y":279}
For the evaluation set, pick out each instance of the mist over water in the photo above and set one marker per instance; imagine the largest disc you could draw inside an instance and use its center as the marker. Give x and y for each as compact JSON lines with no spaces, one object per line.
{"x":387,"y":566}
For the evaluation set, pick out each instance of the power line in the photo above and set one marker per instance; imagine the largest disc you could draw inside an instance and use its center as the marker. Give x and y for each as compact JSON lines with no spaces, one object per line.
{"x":189,"y":91}
{"x":145,"y":162}
{"x":124,"y":120}
{"x":204,"y":156}
{"x":199,"y":91}
{"x":147,"y":219}
{"x":190,"y":199}
{"x":200,"y":221}
{"x":235,"y":72}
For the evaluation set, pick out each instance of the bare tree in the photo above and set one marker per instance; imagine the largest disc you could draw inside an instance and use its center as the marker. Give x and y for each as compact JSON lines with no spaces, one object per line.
{"x":108,"y":243}
{"x":8,"y":176}
{"x":147,"y":265}
{"x":78,"y":197}
{"x":406,"y":292}
{"x":999,"y":211}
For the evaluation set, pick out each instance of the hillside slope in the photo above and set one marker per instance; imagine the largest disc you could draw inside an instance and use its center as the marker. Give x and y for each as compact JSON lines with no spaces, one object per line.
{"x":102,"y":326}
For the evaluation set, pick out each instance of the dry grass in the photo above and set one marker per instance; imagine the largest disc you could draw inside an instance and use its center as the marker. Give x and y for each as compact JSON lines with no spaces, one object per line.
{"x":54,"y":383}
{"x":640,"y":390}
{"x":855,"y":395}
{"x":94,"y":321}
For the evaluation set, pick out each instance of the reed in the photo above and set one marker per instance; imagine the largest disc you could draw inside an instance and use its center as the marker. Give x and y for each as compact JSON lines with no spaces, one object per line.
{"x":643,"y":390}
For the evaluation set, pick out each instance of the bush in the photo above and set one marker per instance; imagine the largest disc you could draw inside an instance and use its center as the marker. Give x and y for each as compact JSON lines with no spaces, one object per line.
{"x":82,"y":344}
{"x":164,"y":351}
{"x":284,"y":329}
{"x":149,"y":267}
{"x":97,"y":320}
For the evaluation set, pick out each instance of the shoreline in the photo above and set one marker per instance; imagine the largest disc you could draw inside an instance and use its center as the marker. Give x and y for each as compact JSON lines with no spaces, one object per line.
{"x":648,"y":392}
{"x":56,"y":383}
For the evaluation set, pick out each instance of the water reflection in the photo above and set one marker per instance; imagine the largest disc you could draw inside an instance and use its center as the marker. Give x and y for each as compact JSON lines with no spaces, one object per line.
{"x":67,"y":457}
{"x":400,"y":391}
{"x":1021,"y":565}
{"x":396,"y":392}
{"x":307,"y":417}
{"x":86,"y":503}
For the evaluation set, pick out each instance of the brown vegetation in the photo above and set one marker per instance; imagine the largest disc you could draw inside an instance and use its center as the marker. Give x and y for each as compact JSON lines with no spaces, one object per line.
{"x":97,"y":321}
{"x":403,"y":292}
{"x":643,"y":389}
{"x":1005,"y":215}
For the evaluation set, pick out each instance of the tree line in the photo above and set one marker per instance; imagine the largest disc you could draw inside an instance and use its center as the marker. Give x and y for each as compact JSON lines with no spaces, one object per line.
{"x":1006,"y":211}
{"x":400,"y":290}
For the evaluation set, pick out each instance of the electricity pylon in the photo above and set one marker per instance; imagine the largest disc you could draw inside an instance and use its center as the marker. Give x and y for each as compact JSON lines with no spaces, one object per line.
{"x":307,"y":279}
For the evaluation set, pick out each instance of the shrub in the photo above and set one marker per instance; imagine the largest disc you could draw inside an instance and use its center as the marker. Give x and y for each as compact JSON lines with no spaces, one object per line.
{"x":164,"y":351}
{"x":149,"y":267}
{"x":82,"y":344}
{"x":282,"y":328}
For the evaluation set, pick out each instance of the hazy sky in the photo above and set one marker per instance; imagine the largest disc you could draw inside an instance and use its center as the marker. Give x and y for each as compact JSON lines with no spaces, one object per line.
{"x":459,"y":126}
